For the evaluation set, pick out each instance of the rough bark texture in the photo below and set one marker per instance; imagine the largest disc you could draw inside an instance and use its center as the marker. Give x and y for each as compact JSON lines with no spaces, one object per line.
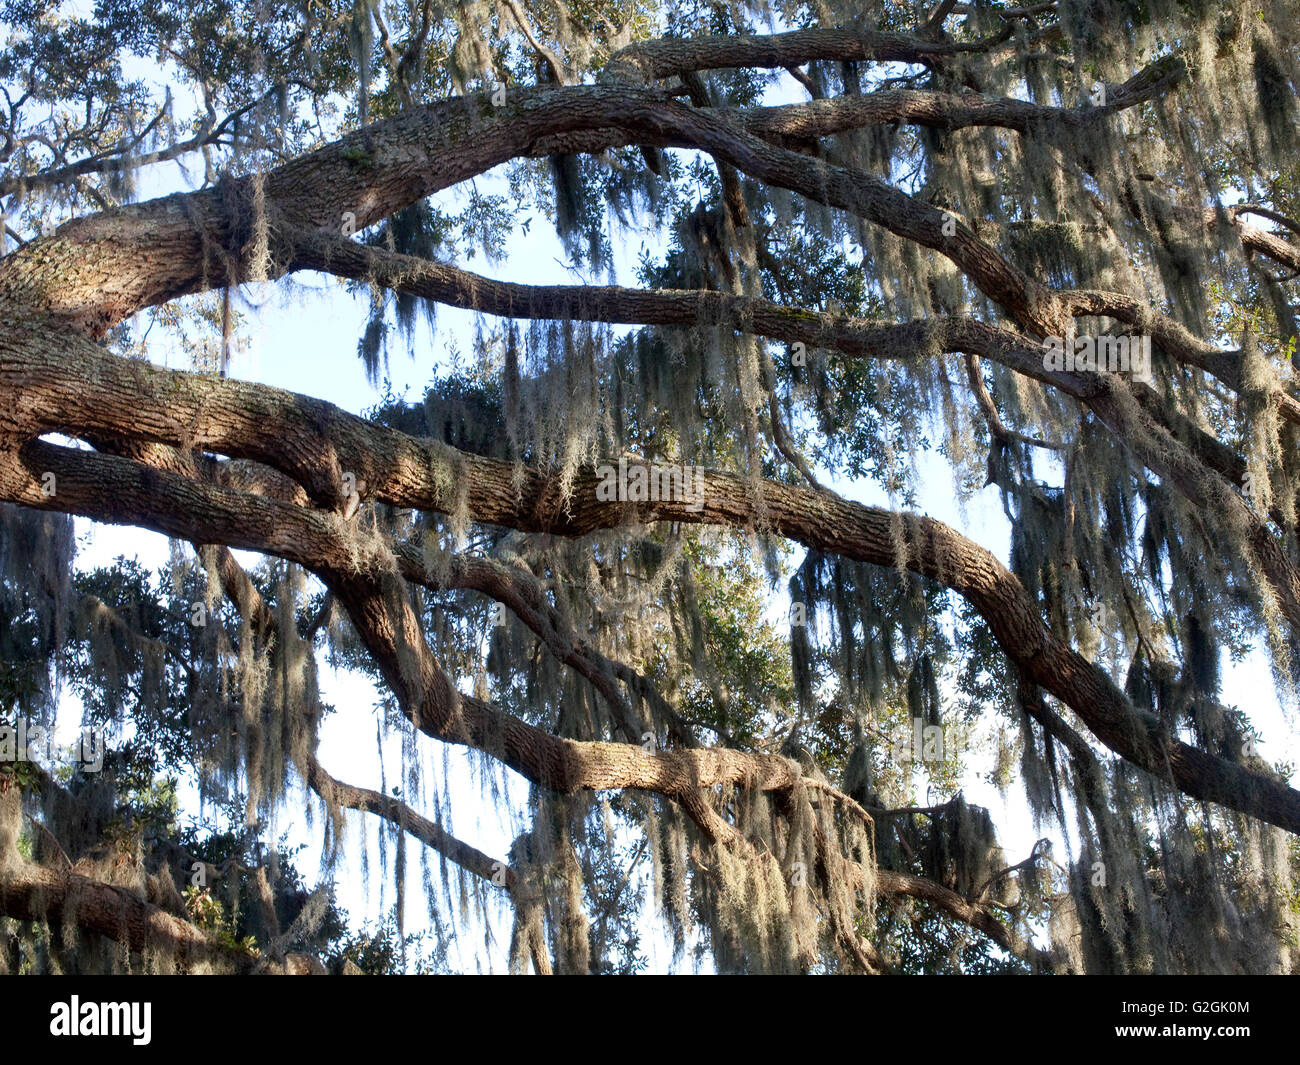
{"x":241,"y":465}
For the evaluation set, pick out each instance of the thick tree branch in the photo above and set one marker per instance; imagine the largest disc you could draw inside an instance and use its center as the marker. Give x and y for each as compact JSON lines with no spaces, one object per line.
{"x":425,"y":475}
{"x":30,"y":892}
{"x":667,"y":57}
{"x":156,"y":251}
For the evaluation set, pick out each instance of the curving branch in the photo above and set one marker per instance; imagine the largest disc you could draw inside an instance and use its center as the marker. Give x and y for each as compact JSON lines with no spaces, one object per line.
{"x":667,"y":57}
{"x":181,"y":244}
{"x":980,"y":916}
{"x":280,"y":428}
{"x":337,"y":793}
{"x":31,"y":892}
{"x":1147,"y":433}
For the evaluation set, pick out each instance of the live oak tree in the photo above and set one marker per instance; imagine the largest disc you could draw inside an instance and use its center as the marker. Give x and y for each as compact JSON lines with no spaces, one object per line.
{"x":876,"y":223}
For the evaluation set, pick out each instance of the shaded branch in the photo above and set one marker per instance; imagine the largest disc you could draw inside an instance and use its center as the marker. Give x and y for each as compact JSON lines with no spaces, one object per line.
{"x":404,"y":472}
